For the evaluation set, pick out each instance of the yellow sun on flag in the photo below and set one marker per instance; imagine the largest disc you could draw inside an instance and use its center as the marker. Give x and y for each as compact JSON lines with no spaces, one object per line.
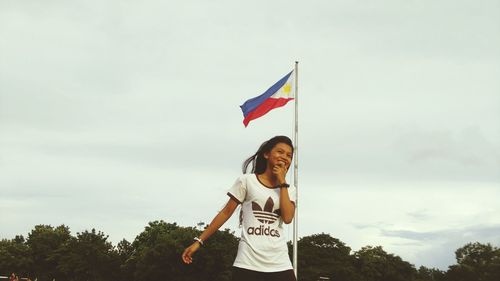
{"x":287,"y":88}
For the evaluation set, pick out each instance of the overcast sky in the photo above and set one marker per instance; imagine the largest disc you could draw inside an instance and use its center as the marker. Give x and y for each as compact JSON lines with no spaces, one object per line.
{"x":117,"y":113}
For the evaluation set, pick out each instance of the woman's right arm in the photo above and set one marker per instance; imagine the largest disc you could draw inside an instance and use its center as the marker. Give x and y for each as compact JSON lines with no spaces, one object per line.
{"x":216,"y":223}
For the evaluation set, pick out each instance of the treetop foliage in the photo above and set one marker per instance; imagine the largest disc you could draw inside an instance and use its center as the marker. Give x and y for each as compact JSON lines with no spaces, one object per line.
{"x":54,"y":253}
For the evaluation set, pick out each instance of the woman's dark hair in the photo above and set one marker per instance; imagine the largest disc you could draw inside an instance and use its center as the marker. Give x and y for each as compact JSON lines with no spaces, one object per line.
{"x":259,"y":163}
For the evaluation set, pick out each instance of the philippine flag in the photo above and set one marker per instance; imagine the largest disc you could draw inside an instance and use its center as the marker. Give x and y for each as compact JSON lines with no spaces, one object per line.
{"x":277,"y":96}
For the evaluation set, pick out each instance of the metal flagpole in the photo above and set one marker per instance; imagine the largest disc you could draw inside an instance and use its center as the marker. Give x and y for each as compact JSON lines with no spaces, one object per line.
{"x":295,"y":170}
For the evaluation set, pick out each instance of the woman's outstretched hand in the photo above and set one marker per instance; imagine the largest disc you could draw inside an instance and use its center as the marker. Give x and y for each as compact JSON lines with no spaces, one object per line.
{"x":188,"y":253}
{"x":217,"y":222}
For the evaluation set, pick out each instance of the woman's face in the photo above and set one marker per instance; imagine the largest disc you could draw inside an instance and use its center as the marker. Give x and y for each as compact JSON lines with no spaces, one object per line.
{"x":280,"y":154}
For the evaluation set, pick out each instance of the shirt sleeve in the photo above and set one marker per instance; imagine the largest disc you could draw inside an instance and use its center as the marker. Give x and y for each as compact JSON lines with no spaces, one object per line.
{"x":238,"y":191}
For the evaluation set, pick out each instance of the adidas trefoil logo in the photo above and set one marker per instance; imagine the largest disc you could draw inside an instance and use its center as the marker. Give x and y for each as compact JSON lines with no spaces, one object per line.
{"x":267,"y":215}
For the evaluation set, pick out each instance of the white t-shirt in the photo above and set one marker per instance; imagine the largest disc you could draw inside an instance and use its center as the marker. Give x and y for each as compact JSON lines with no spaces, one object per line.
{"x":263,"y":244}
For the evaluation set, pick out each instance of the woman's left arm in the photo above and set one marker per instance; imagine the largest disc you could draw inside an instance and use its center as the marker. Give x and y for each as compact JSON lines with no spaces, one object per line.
{"x":287,"y":207}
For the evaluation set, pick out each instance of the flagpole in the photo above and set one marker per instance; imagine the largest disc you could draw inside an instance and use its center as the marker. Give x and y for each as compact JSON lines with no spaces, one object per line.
{"x":295,"y":169}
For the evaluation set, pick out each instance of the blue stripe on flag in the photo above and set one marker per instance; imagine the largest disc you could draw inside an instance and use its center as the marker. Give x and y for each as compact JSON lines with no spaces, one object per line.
{"x":251,"y":104}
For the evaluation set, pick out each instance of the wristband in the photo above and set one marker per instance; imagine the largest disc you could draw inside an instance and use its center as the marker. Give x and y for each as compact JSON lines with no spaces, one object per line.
{"x":198,"y":240}
{"x":285,"y":185}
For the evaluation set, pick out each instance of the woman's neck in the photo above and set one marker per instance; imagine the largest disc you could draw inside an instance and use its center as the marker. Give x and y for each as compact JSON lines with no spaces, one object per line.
{"x":267,"y":178}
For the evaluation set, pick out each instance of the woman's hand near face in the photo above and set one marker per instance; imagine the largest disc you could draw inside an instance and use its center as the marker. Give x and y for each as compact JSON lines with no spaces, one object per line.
{"x":279,"y":171}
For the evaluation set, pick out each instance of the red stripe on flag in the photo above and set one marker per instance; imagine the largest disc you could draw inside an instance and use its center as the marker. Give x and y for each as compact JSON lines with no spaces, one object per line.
{"x":264,"y":108}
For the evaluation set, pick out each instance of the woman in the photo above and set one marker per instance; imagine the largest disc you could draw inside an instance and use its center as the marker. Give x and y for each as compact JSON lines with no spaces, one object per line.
{"x":267,"y":201}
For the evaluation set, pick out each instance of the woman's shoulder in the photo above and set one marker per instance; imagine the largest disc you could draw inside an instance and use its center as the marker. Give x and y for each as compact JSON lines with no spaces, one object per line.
{"x":246,"y":178}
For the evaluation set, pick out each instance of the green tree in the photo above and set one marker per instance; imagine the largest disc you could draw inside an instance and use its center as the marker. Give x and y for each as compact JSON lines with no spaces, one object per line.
{"x":43,"y":241}
{"x":476,"y":261}
{"x":125,"y":251}
{"x":15,"y":256}
{"x":153,"y":250}
{"x":88,"y":256}
{"x":430,"y":274}
{"x":377,"y":265}
{"x":157,"y":254}
{"x":325,"y":256}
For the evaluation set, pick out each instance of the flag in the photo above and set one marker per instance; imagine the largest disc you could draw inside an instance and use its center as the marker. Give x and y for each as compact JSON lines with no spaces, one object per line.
{"x":277,"y":96}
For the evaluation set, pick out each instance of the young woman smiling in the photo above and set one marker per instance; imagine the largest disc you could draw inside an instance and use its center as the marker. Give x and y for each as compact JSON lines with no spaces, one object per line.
{"x":267,"y":201}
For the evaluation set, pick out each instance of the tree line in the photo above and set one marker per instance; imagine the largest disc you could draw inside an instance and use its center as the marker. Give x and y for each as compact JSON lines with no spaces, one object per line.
{"x":49,"y":253}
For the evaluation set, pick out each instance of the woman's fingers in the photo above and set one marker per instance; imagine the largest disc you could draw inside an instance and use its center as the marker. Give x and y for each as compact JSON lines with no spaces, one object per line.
{"x":279,"y":169}
{"x":280,"y":173}
{"x":188,"y":253}
{"x":186,"y":256}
